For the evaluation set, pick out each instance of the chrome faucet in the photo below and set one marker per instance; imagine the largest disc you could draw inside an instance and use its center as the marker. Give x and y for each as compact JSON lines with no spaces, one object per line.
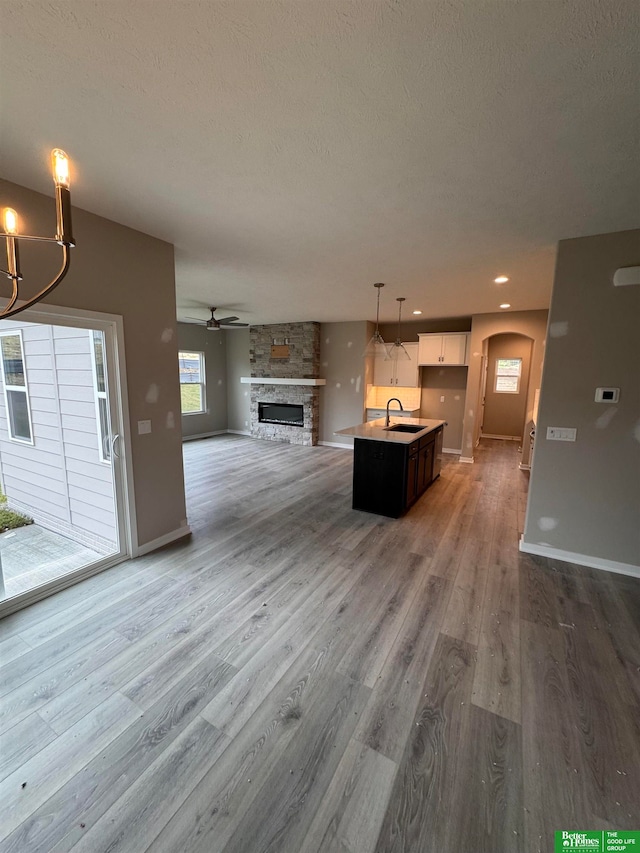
{"x":386,"y":423}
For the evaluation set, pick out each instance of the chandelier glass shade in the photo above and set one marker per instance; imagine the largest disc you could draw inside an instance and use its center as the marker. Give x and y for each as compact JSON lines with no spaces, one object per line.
{"x":397,"y":351}
{"x":64,"y":237}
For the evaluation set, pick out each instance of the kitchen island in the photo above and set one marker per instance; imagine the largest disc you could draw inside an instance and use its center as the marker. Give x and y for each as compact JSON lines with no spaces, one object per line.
{"x":394,"y":465}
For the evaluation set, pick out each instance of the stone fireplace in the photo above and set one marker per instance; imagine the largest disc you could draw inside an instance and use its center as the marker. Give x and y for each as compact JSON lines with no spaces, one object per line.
{"x":286,"y":357}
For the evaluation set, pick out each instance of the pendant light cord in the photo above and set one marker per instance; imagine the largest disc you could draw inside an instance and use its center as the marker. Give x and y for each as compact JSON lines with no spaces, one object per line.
{"x":399,"y":300}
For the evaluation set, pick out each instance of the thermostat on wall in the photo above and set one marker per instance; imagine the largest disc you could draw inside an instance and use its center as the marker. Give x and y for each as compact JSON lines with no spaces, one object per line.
{"x":607,"y":395}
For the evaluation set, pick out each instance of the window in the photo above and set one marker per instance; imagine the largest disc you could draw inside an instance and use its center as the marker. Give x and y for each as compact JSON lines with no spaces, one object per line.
{"x":191,"y":367}
{"x":508,"y":372}
{"x":16,"y":393}
{"x":102,"y":402}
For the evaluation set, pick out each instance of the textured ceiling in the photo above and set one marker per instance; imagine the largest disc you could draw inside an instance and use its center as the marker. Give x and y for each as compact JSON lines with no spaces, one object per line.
{"x":296,"y":152}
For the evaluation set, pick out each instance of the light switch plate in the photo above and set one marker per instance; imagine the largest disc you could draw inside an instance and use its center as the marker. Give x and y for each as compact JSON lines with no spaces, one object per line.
{"x":561,"y":434}
{"x":144,"y":427}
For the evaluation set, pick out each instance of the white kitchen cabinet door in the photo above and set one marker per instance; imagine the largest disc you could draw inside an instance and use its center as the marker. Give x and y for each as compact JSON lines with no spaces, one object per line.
{"x":454,"y":349}
{"x":401,"y":374}
{"x":442,"y":349}
{"x":407,"y":372}
{"x":429,"y":349}
{"x":383,"y":372}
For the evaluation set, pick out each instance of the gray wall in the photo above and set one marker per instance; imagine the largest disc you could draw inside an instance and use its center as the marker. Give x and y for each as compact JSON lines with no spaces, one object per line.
{"x":238,"y":395}
{"x":347,"y":374}
{"x":450,"y":383}
{"x":192,"y":337}
{"x":412,"y":328}
{"x":121,"y":271}
{"x":584,"y":497}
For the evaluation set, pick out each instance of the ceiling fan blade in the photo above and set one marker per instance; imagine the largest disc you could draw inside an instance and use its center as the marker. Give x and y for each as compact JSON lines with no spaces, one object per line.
{"x":227,"y":320}
{"x":233,"y":325}
{"x":196,"y":319}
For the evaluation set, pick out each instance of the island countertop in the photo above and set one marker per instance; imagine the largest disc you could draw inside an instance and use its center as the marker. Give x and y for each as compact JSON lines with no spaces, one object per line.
{"x":375,"y":430}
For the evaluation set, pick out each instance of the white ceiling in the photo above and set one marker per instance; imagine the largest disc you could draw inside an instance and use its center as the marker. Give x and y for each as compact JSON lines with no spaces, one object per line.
{"x":296,"y":152}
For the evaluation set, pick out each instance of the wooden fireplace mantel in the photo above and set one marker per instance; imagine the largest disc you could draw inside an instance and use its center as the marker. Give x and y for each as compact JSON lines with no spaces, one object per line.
{"x":273,"y":380}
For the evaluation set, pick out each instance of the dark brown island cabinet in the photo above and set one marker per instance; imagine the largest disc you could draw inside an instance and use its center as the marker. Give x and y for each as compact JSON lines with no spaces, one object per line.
{"x":388,"y":478}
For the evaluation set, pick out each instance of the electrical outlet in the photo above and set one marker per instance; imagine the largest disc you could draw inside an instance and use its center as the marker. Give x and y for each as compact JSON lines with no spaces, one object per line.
{"x":561,"y":434}
{"x":442,"y":399}
{"x":144,"y":427}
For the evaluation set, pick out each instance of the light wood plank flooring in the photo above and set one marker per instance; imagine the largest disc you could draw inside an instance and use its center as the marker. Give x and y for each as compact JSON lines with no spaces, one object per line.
{"x":301,"y":677}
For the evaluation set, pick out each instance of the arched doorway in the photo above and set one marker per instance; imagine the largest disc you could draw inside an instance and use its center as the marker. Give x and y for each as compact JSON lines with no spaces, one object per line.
{"x":505,"y":385}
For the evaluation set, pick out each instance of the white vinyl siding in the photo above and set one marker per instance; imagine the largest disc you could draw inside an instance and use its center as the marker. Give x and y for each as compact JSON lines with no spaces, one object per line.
{"x":60,"y":480}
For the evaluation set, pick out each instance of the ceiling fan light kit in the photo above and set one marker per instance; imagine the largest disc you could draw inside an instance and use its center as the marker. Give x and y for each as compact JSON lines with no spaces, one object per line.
{"x":214,"y":325}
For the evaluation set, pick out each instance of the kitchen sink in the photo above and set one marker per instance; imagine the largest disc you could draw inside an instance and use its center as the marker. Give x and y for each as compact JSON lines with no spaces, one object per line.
{"x":404,"y":428}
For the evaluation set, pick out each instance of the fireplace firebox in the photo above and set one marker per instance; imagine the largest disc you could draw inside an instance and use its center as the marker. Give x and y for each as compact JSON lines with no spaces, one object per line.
{"x":281,"y":413}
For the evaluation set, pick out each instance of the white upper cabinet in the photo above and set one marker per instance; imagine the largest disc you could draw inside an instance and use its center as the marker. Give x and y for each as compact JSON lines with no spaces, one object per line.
{"x":408,"y":372}
{"x":429,"y":349}
{"x":403,"y":374}
{"x":383,"y":372}
{"x":450,"y":348}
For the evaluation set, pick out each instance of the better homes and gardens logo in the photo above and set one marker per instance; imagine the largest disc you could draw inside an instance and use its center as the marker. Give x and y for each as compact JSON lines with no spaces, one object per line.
{"x":579,"y":840}
{"x":598,"y":842}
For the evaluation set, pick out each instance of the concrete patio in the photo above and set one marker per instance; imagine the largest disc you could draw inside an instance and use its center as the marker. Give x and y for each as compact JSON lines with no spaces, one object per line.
{"x":31,"y":556}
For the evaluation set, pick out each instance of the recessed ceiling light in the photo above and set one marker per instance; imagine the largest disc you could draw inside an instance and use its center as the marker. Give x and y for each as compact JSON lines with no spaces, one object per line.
{"x":502,"y":279}
{"x":505,"y":305}
{"x":417,"y":312}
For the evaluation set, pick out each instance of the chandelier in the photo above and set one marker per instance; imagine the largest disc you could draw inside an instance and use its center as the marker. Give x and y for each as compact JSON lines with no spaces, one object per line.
{"x":64,"y":237}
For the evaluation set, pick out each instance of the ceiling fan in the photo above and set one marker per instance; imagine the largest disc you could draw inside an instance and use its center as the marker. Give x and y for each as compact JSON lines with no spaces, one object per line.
{"x":214,"y":325}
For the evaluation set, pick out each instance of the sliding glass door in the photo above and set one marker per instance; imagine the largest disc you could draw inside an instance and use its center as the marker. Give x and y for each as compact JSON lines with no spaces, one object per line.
{"x":63,"y":473}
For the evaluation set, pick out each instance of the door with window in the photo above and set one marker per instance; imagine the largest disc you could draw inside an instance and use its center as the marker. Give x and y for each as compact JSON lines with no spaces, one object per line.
{"x":507,"y":385}
{"x":62,"y":466}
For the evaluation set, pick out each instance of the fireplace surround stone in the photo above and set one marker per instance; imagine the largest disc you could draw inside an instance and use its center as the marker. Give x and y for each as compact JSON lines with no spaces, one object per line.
{"x":303,"y":361}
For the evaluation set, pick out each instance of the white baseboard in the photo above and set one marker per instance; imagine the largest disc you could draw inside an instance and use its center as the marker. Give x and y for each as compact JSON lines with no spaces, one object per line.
{"x":238,"y":432}
{"x":167,"y":539}
{"x":468,"y":459}
{"x":457,"y":452}
{"x":336,"y":444}
{"x":203,"y":435}
{"x":580,"y":559}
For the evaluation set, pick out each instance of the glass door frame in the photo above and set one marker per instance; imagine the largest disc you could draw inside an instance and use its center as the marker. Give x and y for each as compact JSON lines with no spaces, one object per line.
{"x":112,"y":326}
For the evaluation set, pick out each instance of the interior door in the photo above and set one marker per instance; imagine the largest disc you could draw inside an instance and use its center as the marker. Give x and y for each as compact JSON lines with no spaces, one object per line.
{"x":70,"y":477}
{"x":483,"y":386}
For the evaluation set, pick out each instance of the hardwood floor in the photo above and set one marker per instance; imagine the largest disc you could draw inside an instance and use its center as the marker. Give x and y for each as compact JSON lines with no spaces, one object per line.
{"x":301,"y":677}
